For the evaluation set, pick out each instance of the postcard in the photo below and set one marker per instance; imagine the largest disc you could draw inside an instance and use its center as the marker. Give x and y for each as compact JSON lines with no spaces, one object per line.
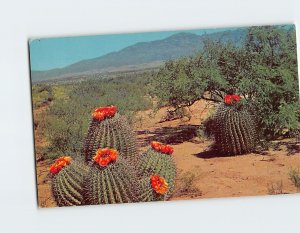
{"x":163,"y":116}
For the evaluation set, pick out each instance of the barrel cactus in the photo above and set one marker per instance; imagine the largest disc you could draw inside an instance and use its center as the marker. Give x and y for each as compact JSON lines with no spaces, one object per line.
{"x":67,"y":181}
{"x":110,"y":180}
{"x":157,"y":161}
{"x":109,"y":129}
{"x":234,"y":128}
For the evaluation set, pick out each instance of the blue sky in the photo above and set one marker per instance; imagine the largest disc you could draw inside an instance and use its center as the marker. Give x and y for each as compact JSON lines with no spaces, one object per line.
{"x":50,"y":53}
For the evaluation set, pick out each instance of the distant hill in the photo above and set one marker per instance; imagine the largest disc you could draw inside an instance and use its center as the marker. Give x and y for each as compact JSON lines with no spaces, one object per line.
{"x":142,"y":54}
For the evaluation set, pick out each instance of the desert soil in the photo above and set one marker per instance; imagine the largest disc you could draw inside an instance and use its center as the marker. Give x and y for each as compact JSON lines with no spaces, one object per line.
{"x":214,"y":176}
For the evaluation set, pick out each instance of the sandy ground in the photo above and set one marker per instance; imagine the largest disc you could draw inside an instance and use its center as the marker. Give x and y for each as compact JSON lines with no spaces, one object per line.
{"x":212,"y":175}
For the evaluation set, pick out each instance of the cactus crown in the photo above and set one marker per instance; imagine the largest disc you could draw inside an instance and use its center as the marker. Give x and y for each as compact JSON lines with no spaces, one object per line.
{"x":110,"y":132}
{"x":104,"y":112}
{"x":105,"y":156}
{"x":230,"y":99}
{"x":59,"y":164}
{"x":166,"y":149}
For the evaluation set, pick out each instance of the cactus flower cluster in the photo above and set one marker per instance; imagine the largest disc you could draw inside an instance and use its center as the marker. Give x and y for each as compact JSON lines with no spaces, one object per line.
{"x":59,"y":164}
{"x":159,"y":184}
{"x":104,"y":156}
{"x":166,"y":149}
{"x":104,"y":112}
{"x":230,"y":99}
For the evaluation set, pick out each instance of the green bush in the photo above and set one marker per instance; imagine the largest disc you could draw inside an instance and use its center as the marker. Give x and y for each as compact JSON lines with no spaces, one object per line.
{"x":41,"y":94}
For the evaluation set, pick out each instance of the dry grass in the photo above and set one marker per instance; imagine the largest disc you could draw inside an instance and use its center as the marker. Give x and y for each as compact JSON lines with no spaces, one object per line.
{"x":276,"y":188}
{"x":187,"y":183}
{"x":294,"y":176}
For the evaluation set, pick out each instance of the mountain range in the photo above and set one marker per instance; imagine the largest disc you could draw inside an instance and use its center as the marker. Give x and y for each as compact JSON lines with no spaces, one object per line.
{"x":141,"y":55}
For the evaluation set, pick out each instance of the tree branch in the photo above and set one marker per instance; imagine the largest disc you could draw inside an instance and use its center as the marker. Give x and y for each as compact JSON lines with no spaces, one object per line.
{"x":209,"y":99}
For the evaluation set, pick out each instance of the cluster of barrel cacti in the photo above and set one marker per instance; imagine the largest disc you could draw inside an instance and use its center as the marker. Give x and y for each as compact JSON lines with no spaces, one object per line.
{"x":110,"y":169}
{"x":234,"y":128}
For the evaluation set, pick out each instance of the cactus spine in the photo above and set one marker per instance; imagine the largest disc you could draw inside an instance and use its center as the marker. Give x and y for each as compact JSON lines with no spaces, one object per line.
{"x":113,"y":132}
{"x":114,"y":183}
{"x":234,"y":130}
{"x":153,"y":162}
{"x":67,"y":184}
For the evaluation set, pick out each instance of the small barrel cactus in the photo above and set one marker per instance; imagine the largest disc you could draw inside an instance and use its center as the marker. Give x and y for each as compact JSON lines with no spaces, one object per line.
{"x":234,"y":128}
{"x":67,"y":181}
{"x":109,"y":129}
{"x":110,"y":180}
{"x":157,"y":161}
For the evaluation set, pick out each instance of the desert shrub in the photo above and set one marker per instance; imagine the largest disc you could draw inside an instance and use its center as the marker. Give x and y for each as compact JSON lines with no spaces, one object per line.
{"x":187,"y":183}
{"x":41,"y":94}
{"x":294,"y":176}
{"x":276,"y":188}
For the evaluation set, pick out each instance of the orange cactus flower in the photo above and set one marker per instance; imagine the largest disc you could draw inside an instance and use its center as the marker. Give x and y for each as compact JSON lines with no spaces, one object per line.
{"x":166,"y":149}
{"x":59,"y":164}
{"x":159,"y":184}
{"x":229,"y":99}
{"x":155,"y":145}
{"x":104,"y":112}
{"x":104,"y":156}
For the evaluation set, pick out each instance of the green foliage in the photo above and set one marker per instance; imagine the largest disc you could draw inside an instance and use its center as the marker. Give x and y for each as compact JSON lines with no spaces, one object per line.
{"x":115,"y":183}
{"x":234,"y":130}
{"x":263,"y":70}
{"x":178,"y":84}
{"x":155,"y":163}
{"x":114,"y":133}
{"x":41,"y":95}
{"x":67,"y":185}
{"x":67,"y":120}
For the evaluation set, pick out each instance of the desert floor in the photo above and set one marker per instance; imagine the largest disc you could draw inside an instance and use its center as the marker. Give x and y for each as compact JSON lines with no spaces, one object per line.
{"x":201,"y":174}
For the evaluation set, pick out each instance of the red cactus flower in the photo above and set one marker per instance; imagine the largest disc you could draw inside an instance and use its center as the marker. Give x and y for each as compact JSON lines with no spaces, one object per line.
{"x":104,"y":156}
{"x":155,"y":145}
{"x":229,"y":99}
{"x":59,"y":164}
{"x":104,"y":112}
{"x":166,"y":149}
{"x":159,"y":184}
{"x":236,"y":97}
